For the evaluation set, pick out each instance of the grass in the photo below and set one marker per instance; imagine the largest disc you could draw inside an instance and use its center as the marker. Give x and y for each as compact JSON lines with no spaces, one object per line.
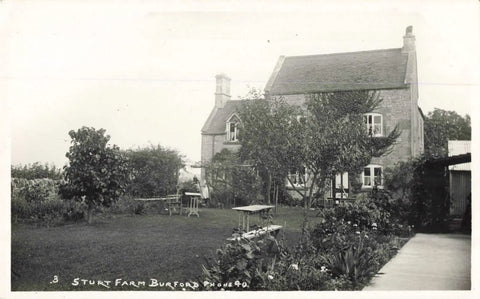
{"x":133,"y":248}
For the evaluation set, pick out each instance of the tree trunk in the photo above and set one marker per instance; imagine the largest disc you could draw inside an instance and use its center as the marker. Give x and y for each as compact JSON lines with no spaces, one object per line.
{"x":276,"y":198}
{"x":308,"y":199}
{"x":269,"y":185}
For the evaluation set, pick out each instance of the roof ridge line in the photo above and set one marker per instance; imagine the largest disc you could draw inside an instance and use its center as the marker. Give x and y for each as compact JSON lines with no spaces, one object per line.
{"x":342,"y":53}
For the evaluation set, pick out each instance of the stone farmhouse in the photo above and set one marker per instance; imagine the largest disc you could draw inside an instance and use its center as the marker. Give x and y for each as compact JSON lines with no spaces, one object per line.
{"x":390,"y":72}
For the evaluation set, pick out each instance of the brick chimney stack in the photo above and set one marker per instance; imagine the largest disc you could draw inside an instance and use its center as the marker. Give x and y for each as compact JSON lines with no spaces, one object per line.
{"x":408,"y":41}
{"x":222,"y":92}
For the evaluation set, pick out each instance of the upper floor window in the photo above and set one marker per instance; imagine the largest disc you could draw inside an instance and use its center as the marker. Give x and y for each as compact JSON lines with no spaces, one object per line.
{"x":374,"y":123}
{"x":372,"y":176}
{"x":233,"y":128}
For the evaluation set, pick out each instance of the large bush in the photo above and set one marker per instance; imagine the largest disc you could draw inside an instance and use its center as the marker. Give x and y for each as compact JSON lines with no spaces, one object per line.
{"x":156,"y":171}
{"x":420,"y":188}
{"x":376,"y":209}
{"x":244,"y":260}
{"x":37,"y":201}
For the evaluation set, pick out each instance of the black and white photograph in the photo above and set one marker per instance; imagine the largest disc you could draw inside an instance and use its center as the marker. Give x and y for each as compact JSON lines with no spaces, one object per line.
{"x":196,"y":147}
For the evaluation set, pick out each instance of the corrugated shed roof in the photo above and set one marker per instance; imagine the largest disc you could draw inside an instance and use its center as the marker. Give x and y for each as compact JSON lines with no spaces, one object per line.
{"x":378,"y":69}
{"x":458,"y":147}
{"x":215,"y":123}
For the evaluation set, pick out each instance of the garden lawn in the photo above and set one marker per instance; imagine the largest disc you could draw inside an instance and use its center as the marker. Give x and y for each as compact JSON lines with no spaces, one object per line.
{"x":133,"y":248}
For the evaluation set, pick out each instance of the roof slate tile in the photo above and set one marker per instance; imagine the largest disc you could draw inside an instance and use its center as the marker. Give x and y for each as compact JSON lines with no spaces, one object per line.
{"x":378,"y":69}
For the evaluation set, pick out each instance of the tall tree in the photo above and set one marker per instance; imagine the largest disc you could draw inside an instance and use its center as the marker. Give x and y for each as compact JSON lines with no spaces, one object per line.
{"x":97,"y":173}
{"x":326,"y":135}
{"x":156,"y":171}
{"x":265,"y":140}
{"x":333,"y":137}
{"x":441,"y":126}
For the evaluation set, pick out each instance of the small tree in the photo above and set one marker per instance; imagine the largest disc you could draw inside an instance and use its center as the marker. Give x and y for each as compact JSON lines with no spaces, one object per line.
{"x":97,"y":173}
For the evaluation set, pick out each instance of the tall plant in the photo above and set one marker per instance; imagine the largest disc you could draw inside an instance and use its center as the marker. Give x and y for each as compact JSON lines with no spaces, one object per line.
{"x":97,"y":173}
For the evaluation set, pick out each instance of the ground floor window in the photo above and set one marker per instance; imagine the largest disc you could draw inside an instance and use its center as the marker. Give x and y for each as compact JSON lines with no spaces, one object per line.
{"x":339,"y":186}
{"x":372,"y":176}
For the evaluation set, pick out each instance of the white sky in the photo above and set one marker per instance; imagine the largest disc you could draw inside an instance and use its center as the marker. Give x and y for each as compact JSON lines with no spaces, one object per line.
{"x":145,"y":70}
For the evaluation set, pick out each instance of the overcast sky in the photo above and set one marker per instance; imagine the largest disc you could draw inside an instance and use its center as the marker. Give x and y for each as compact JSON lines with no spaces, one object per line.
{"x":145,"y":70}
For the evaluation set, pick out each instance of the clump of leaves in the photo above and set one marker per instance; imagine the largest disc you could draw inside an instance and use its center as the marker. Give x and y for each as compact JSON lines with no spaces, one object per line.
{"x":354,"y":262}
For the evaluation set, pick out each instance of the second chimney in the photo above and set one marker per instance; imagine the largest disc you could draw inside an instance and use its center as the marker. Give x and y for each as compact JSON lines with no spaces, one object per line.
{"x":408,"y":40}
{"x":222,"y":92}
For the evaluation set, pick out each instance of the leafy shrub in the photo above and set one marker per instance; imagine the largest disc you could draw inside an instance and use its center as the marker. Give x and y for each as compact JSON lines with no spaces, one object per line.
{"x":74,"y":211}
{"x":297,"y":272}
{"x":353,"y":262}
{"x":35,"y":190}
{"x":376,"y":208}
{"x":36,"y":201}
{"x":419,"y":188}
{"x":48,"y":212}
{"x":127,"y":205}
{"x":139,"y":208}
{"x":243,"y":260}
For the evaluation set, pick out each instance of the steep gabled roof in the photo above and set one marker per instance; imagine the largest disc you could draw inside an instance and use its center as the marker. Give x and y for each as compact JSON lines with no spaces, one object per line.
{"x":378,"y":69}
{"x":215,"y":123}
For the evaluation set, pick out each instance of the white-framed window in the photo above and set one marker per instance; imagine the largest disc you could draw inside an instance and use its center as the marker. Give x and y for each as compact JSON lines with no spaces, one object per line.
{"x":232,"y":128}
{"x":374,"y":124}
{"x":297,"y":177}
{"x":372,"y":175}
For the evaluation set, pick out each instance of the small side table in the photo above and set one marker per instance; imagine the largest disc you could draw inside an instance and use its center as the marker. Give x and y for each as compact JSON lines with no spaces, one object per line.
{"x":193,"y":203}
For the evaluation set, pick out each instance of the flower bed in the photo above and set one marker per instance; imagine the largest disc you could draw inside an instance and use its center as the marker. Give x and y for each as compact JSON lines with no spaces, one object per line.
{"x":342,"y":252}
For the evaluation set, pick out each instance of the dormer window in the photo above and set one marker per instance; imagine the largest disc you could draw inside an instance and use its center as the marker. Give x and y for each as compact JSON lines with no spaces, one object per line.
{"x":232,"y":128}
{"x":374,"y":124}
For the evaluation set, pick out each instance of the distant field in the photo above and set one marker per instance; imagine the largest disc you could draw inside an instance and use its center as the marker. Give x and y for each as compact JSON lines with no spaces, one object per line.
{"x":132,"y":248}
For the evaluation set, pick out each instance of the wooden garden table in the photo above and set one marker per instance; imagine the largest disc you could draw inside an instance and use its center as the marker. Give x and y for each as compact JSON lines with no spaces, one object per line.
{"x":193,"y":203}
{"x":249,"y":210}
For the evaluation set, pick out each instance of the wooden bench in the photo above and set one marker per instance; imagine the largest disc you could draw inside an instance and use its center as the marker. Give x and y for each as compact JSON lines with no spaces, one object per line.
{"x":273,"y":229}
{"x":170,"y":201}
